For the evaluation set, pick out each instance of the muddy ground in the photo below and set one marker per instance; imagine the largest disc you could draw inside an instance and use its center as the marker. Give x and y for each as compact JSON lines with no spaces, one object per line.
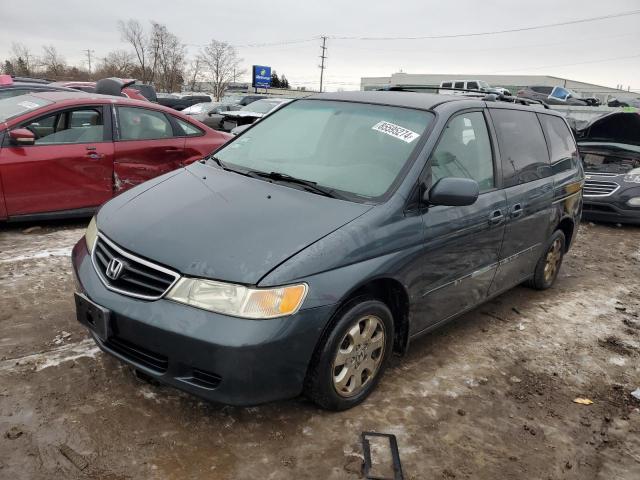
{"x":490,"y":396}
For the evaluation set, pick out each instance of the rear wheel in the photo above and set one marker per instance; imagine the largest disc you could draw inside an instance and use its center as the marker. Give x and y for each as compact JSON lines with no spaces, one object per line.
{"x":352,"y":357}
{"x":548,"y":265}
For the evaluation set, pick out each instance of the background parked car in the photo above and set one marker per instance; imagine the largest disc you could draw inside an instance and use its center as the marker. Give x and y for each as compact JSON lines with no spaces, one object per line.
{"x":610,"y":150}
{"x":182,"y":102}
{"x":106,"y":86}
{"x":15,"y":86}
{"x":556,"y":96}
{"x":251,"y":113}
{"x":62,"y":153}
{"x":211,"y":114}
{"x":627,"y":102}
{"x":470,"y":85}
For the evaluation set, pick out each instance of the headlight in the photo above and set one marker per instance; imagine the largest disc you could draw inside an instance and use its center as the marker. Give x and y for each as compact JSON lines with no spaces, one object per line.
{"x":91,"y":234}
{"x":238,"y":300}
{"x":633,"y":176}
{"x":634,"y":202}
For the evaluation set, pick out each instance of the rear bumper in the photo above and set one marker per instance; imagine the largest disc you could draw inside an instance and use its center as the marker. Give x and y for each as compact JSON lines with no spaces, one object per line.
{"x":220,"y":358}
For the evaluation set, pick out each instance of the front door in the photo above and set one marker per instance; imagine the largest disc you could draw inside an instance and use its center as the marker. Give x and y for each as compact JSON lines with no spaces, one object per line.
{"x":462,"y":244}
{"x":526,"y":175}
{"x":69,"y":167}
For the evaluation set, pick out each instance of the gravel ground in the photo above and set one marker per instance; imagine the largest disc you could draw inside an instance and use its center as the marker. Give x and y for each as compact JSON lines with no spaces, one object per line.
{"x":490,"y":396}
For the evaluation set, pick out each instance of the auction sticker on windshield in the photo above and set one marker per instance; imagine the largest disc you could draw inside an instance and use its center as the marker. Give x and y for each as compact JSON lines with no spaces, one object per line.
{"x":28,"y":105}
{"x":395,"y":131}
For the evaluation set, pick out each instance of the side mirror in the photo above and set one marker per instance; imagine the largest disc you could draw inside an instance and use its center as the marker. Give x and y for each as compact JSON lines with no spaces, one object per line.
{"x":454,"y":192}
{"x":22,"y":136}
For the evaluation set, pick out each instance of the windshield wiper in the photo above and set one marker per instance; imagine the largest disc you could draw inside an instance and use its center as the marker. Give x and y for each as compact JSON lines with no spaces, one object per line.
{"x":308,"y":184}
{"x":224,"y":166}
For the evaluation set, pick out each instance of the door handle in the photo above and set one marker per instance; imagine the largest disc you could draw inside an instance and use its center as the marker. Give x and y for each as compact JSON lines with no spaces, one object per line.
{"x":94,"y":156}
{"x":516,"y":210}
{"x":496,"y":217}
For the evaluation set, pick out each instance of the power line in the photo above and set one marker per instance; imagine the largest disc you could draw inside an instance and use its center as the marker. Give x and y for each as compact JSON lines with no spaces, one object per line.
{"x":603,"y":60}
{"x":496,"y":32}
{"x":323,"y":57}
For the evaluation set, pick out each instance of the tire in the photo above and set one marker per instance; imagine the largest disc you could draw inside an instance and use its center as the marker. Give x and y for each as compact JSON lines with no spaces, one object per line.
{"x":344,"y":355}
{"x":548,"y":266}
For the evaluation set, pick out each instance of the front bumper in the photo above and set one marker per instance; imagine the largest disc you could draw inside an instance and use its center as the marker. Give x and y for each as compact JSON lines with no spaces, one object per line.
{"x":217,"y":357}
{"x":609,"y":211}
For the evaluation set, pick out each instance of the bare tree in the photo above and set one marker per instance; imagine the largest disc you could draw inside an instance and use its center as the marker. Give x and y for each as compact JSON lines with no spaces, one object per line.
{"x":222,"y":65}
{"x":118,"y":63}
{"x":193,"y":73}
{"x":132,"y":32}
{"x":169,"y":58}
{"x":23,"y":60}
{"x":52,"y":62}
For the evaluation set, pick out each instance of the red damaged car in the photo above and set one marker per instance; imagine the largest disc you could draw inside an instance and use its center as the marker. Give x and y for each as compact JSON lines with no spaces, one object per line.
{"x":64,"y":154}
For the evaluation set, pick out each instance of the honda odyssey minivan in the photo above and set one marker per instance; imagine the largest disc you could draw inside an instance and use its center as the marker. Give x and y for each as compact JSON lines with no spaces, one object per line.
{"x":304,"y":253}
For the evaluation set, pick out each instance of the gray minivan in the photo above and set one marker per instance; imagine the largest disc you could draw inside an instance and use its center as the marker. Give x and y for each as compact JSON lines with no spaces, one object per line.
{"x":302,"y":254}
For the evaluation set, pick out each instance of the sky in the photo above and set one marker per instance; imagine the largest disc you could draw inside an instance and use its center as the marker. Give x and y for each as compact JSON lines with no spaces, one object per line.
{"x":604,"y":52}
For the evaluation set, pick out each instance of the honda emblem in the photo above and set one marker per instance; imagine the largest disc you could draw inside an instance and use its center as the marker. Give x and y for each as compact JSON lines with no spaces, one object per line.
{"x":114,"y":269}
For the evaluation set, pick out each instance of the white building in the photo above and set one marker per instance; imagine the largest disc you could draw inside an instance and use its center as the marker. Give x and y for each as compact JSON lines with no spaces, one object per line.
{"x":512,"y":82}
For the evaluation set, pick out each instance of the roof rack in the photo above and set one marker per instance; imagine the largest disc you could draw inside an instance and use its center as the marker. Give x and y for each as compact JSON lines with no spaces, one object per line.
{"x":485,"y":95}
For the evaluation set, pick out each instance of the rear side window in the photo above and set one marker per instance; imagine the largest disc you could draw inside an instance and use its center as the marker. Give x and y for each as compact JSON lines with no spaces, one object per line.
{"x":446,"y":84}
{"x":459,"y":85}
{"x":464,"y":151}
{"x":523,"y":150}
{"x":143,"y":124}
{"x":562,"y":147}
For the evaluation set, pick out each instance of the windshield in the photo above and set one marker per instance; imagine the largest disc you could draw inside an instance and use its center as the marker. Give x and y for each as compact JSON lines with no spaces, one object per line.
{"x":261,"y":106}
{"x":14,"y":106}
{"x":359,"y":149}
{"x":483,"y":84}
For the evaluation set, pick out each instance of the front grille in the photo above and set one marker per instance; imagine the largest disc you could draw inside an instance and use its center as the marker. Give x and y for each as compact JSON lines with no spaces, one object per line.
{"x":599,"y":188}
{"x":139,"y":355}
{"x":135,"y":276}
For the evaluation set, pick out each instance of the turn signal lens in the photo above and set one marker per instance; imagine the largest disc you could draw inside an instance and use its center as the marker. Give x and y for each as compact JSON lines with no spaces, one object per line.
{"x":91,"y":234}
{"x":238,"y":300}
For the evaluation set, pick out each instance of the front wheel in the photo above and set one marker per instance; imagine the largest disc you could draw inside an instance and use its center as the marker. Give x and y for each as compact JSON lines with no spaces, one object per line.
{"x":548,"y":265}
{"x":350,"y":361}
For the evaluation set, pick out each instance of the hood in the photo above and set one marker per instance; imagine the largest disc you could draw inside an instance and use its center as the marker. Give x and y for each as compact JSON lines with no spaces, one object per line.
{"x":242,"y":114}
{"x":206,"y":222}
{"x":616,"y":127}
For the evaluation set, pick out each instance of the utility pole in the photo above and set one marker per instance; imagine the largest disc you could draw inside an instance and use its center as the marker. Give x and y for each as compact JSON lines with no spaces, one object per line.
{"x":323,"y":57}
{"x":89,"y":52}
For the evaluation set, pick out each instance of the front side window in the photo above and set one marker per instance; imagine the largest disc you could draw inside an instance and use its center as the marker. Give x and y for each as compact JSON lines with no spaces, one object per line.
{"x":353,"y":148}
{"x":562,"y":147}
{"x":472,"y":85}
{"x":523,"y":150}
{"x":143,"y":124}
{"x":85,"y":125}
{"x":464,"y":151}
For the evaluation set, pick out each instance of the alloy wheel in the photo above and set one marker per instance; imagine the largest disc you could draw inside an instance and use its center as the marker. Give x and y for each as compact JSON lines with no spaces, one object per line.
{"x":554,"y":256}
{"x":359,"y":356}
